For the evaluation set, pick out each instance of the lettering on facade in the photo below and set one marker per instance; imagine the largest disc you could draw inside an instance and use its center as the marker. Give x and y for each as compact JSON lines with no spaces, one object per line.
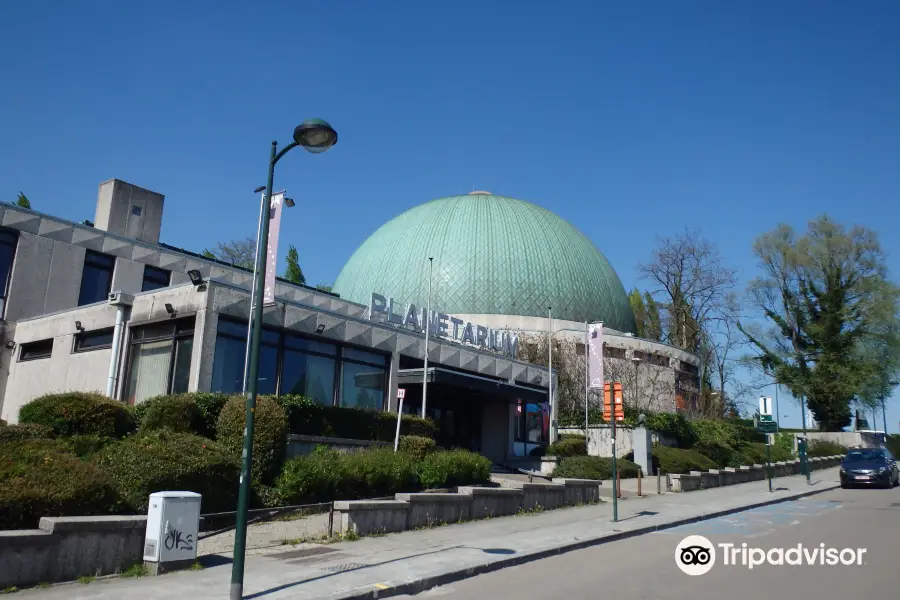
{"x":443,"y":326}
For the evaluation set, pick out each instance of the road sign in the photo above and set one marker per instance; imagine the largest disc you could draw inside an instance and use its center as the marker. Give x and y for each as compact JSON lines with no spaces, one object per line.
{"x":767,"y":426}
{"x":608,"y":403}
{"x":765,"y":406}
{"x":766,"y":419}
{"x":401,"y":393}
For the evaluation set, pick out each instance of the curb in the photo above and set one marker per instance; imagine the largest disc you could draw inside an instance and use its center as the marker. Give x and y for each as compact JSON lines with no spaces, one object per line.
{"x":426,"y":583}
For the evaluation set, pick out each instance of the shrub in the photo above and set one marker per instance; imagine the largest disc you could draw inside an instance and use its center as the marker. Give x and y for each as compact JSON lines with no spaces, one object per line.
{"x":2,"y":423}
{"x":41,"y":478}
{"x":721,"y":454}
{"x":678,"y":460}
{"x":308,"y":417}
{"x":674,"y":426}
{"x":454,"y":468}
{"x":210,"y":405}
{"x":316,"y":477}
{"x":269,"y":431}
{"x":594,"y":467}
{"x":756,"y":453}
{"x":176,"y":413}
{"x":567,"y":447}
{"x":416,"y":446}
{"x":75,"y":413}
{"x":785,"y":442}
{"x":86,"y":446}
{"x":165,"y":460}
{"x":24,"y":431}
{"x":824,"y":448}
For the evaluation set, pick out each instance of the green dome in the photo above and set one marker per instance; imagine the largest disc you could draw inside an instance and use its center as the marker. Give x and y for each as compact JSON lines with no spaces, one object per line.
{"x":492,"y":255}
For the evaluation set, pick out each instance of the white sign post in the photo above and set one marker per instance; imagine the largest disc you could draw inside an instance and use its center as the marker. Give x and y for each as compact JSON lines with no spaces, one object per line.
{"x":765,"y":408}
{"x":400,"y":394}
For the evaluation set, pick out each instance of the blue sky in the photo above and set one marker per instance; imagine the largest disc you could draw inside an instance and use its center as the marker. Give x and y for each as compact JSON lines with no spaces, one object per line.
{"x":630,"y":120}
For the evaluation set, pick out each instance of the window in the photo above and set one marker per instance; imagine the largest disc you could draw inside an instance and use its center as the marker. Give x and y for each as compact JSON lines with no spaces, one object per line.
{"x":291,"y":364}
{"x":155,"y":278}
{"x":96,"y":279}
{"x":8,"y":241}
{"x":93,"y":340}
{"x":160,"y":359}
{"x":610,"y":352}
{"x":36,"y":350}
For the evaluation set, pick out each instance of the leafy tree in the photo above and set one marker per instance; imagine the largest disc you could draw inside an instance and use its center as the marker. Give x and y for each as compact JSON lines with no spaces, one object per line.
{"x":325,"y":287}
{"x":23,"y":201}
{"x":879,"y":354}
{"x":646,"y":315}
{"x":825,"y":296}
{"x":240,"y":253}
{"x":293,"y":272}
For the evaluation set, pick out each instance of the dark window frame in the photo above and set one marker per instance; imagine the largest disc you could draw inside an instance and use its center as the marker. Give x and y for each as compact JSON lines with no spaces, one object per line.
{"x":78,"y":340}
{"x":23,"y":348}
{"x":179,"y":332}
{"x":157,"y":276}
{"x":101,"y":262}
{"x":338,"y":357}
{"x":8,"y":238}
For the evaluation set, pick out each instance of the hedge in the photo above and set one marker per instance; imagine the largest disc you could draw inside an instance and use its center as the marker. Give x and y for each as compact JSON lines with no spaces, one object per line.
{"x":24,"y":431}
{"x":570,"y":446}
{"x":269,"y":435}
{"x":756,"y":453}
{"x":41,"y":478}
{"x":165,"y":460}
{"x":307,"y":417}
{"x":176,"y":413}
{"x":78,"y":413}
{"x":416,"y":446}
{"x":677,"y":460}
{"x":327,"y":475}
{"x":824,"y":448}
{"x":594,"y":467}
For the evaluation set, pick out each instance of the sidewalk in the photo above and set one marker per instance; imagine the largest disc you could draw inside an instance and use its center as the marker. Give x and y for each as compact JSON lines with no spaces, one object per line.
{"x":416,"y":560}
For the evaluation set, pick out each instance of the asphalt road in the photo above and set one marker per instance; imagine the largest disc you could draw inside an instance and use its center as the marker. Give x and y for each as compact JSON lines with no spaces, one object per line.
{"x":644,"y":568}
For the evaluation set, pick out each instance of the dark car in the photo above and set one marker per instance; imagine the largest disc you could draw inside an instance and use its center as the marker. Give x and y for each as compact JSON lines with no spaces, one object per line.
{"x":869,"y":466}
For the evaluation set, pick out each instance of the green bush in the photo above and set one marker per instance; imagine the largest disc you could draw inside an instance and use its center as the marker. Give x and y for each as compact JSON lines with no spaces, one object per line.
{"x":824,"y":448}
{"x":594,"y":467}
{"x":86,"y":446}
{"x":269,"y":435}
{"x":165,"y":460}
{"x":41,"y":478}
{"x":176,"y":413}
{"x":210,"y":405}
{"x":567,"y":447}
{"x":785,"y":442}
{"x":454,"y":468}
{"x":756,"y":453}
{"x":2,"y":423}
{"x":678,"y":460}
{"x":24,"y":431}
{"x":416,"y":446}
{"x":79,"y":413}
{"x":308,"y":417}
{"x":674,"y":426}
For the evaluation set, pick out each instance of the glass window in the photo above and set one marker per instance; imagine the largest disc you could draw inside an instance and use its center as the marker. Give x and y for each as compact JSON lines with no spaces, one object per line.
{"x":267,"y":381}
{"x":160,"y":359}
{"x":93,"y":340}
{"x":228,"y":365}
{"x":155,"y":278}
{"x":182,"y":372}
{"x":363,"y":356}
{"x":8,"y":241}
{"x":308,"y":375}
{"x":233,"y":328}
{"x":362,"y":386}
{"x":35,"y":350}
{"x":149,"y":370}
{"x":298,"y":343}
{"x":96,"y":279}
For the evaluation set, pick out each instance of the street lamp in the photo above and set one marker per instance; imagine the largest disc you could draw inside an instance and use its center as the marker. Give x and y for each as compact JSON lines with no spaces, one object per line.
{"x":637,"y":361}
{"x":316,"y":136}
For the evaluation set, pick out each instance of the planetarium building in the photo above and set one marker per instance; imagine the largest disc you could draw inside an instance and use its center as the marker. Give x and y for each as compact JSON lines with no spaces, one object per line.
{"x":106,"y":306}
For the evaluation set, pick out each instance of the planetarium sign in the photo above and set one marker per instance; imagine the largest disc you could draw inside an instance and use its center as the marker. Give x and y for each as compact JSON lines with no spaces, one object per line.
{"x":443,"y":326}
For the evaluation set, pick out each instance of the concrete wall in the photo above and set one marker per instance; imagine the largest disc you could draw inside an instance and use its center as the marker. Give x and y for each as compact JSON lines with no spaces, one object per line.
{"x":844,"y":438}
{"x":65,"y":548}
{"x":600,"y":439}
{"x":301,"y":445}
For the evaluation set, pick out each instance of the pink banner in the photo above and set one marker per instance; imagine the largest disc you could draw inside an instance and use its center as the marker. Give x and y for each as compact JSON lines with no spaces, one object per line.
{"x":595,"y":356}
{"x":272,"y":249}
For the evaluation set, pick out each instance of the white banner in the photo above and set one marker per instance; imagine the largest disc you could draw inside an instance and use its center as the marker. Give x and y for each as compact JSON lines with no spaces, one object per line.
{"x":595,"y":356}
{"x":272,"y":249}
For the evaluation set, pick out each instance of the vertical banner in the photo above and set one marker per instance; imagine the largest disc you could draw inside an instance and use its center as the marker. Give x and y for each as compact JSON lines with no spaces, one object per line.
{"x":595,"y":356}
{"x":272,"y":249}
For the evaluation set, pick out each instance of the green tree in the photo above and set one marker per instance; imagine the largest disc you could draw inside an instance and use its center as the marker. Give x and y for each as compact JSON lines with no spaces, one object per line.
{"x":879,"y":355}
{"x":646,"y":315}
{"x":824,"y":296}
{"x":293,"y":272}
{"x":23,"y":201}
{"x":325,"y":287}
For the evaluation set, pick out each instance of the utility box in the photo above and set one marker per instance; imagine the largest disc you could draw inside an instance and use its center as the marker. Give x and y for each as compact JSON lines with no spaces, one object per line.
{"x":173,"y":523}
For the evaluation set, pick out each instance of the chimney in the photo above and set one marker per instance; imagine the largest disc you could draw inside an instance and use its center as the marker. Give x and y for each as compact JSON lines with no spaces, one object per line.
{"x":130,"y":211}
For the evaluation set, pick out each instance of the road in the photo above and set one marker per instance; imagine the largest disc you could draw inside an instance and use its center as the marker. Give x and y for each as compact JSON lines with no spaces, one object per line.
{"x":644,"y":568}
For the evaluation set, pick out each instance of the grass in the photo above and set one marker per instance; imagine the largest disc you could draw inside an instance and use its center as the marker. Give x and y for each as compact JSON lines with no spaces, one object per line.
{"x":196,"y":566}
{"x":536,"y":510}
{"x":135,"y":570}
{"x":43,"y":585}
{"x":85,"y":579}
{"x":10,"y":590}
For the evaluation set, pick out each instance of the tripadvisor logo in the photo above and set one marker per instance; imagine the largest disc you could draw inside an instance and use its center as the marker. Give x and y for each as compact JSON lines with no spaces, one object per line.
{"x":696,"y":555}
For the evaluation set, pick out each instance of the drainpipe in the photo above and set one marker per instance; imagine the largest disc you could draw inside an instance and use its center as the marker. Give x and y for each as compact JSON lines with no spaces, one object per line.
{"x":114,"y":356}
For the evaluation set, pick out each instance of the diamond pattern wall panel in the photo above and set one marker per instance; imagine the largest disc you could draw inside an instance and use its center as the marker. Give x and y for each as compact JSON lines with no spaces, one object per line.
{"x":492,"y":255}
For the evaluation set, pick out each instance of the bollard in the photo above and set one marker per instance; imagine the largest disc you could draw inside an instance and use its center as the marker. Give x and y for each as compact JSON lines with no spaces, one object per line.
{"x":639,"y":483}
{"x":618,"y":485}
{"x":658,"y":482}
{"x":331,"y":521}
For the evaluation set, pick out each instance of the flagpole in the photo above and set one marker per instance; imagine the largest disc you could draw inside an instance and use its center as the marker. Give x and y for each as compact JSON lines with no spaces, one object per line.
{"x":427,"y":331}
{"x":550,"y":376}
{"x":250,"y":320}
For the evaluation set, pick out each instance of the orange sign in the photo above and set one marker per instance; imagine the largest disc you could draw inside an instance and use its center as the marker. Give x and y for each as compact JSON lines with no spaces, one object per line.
{"x":608,"y":403}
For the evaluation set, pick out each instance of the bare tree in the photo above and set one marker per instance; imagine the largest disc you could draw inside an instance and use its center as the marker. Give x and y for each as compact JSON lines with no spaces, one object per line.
{"x":240,"y":253}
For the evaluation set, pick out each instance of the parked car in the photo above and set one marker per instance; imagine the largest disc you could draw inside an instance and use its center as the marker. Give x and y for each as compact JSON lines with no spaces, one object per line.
{"x":869,"y":466}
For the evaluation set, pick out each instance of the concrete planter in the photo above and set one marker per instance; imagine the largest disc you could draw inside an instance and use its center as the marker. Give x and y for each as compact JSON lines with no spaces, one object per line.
{"x":428,"y":510}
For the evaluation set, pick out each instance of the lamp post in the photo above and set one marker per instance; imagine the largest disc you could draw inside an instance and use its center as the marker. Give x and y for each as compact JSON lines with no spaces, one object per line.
{"x":427,"y":331}
{"x":804,"y":461}
{"x":550,"y":376}
{"x":315,"y":135}
{"x":637,"y":361}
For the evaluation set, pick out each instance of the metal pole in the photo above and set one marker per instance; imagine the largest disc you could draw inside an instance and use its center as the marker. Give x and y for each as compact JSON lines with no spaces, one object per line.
{"x":550,"y":376}
{"x":427,"y":332}
{"x":240,"y":531}
{"x":777,"y":414}
{"x":255,"y":275}
{"x":587,"y":382}
{"x":399,"y":418}
{"x":769,"y":461}
{"x":114,"y":355}
{"x":803,"y":459}
{"x":884,"y":416}
{"x":615,"y":470}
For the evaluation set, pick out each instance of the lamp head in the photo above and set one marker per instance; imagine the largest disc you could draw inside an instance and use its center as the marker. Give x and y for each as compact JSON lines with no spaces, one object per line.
{"x":315,"y":135}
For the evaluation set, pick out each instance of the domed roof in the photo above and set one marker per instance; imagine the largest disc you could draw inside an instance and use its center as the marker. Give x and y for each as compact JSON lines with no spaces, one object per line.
{"x":492,"y":255}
